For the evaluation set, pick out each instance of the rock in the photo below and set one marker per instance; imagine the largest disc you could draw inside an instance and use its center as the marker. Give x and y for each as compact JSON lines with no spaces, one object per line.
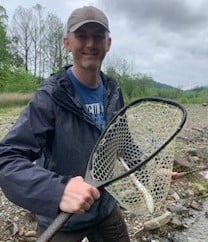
{"x":139,"y":233}
{"x":176,"y":223}
{"x":183,"y":201}
{"x":178,"y":209}
{"x":30,"y":239}
{"x":195,"y":205}
{"x":206,"y":214}
{"x":176,"y":196}
{"x":192,"y":151}
{"x":181,"y":161}
{"x":195,"y":160}
{"x":30,"y":233}
{"x":158,"y":221}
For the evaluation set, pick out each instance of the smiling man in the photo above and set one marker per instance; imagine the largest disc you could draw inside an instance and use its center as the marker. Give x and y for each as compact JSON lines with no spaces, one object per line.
{"x":58,"y":129}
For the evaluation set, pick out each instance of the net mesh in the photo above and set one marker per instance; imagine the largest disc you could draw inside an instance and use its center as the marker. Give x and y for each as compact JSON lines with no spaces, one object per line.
{"x":133,"y":137}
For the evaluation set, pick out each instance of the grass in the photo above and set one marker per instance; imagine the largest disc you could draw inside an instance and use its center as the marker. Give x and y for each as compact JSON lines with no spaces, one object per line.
{"x":11,"y":104}
{"x":11,"y":111}
{"x":11,"y":100}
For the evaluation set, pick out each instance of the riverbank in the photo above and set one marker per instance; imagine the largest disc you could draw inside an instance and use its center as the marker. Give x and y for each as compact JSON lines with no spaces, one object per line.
{"x":186,"y":202}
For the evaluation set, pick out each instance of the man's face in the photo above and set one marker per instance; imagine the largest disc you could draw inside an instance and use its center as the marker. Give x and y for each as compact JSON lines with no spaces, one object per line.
{"x":88,"y":45}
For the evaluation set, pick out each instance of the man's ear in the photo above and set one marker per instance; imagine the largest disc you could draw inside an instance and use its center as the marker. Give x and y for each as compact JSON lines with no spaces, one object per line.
{"x":67,"y":43}
{"x":109,"y":43}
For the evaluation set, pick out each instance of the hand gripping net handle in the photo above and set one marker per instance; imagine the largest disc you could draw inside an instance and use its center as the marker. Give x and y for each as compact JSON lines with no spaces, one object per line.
{"x":134,"y":157}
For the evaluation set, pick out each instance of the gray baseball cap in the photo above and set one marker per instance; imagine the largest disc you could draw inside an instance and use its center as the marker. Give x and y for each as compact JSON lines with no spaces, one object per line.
{"x":86,"y":14}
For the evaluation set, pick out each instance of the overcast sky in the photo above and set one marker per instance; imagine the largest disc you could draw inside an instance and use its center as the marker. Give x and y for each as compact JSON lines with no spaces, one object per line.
{"x":165,"y":39}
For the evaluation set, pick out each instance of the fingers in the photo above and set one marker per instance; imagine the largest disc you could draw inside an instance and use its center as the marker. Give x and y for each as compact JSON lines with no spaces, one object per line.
{"x":78,"y":196}
{"x":95,"y":193}
{"x":86,"y":206}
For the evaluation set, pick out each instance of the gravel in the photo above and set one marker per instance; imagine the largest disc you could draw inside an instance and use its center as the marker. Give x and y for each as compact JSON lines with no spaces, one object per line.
{"x":18,"y":224}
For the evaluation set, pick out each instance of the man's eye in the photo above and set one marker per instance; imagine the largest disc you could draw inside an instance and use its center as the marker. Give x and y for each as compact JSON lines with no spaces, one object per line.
{"x":81,"y":36}
{"x":94,"y":36}
{"x":100,"y":36}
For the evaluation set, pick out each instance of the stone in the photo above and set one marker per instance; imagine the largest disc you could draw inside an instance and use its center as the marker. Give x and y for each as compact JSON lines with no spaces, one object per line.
{"x":158,"y":221}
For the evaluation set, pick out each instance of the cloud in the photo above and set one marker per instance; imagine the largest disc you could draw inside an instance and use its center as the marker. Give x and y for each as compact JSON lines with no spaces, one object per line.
{"x":172,"y":15}
{"x":166,"y":39}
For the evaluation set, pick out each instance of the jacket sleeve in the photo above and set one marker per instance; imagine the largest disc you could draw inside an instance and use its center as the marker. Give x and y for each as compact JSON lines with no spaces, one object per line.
{"x":24,"y":183}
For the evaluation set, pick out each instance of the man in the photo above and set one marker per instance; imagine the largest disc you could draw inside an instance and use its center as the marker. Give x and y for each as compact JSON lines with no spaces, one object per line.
{"x":58,"y":130}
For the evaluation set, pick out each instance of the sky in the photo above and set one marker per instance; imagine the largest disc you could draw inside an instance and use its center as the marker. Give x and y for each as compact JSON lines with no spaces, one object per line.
{"x":164,"y":39}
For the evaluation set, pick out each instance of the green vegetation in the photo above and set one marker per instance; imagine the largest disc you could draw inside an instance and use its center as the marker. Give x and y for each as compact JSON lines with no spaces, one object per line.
{"x":22,"y":63}
{"x":13,"y":76}
{"x":12,"y":111}
{"x":195,"y":96}
{"x":17,"y":81}
{"x":206,"y":186}
{"x":140,"y":85}
{"x":200,"y":187}
{"x":134,"y":86}
{"x":9,"y":100}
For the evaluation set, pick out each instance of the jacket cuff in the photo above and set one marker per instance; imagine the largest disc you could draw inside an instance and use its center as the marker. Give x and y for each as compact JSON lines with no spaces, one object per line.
{"x":65,"y":179}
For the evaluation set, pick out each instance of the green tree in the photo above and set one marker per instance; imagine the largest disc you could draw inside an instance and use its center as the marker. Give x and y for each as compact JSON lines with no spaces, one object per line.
{"x":4,"y":48}
{"x":4,"y":40}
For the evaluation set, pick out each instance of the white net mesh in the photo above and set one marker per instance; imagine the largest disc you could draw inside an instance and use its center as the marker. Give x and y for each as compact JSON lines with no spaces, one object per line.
{"x":132,"y":138}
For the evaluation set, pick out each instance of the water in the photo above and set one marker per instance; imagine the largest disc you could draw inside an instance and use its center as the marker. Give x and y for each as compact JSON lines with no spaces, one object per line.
{"x":197,"y":231}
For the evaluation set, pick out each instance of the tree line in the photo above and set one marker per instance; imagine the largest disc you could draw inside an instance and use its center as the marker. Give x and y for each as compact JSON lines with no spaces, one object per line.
{"x":31,"y":47}
{"x":36,"y":37}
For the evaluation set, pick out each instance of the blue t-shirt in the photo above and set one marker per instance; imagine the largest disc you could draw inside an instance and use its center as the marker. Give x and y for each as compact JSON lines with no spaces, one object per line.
{"x":92,"y":99}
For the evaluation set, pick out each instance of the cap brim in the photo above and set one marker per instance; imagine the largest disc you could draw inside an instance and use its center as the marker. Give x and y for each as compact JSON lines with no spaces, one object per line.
{"x":77,"y":26}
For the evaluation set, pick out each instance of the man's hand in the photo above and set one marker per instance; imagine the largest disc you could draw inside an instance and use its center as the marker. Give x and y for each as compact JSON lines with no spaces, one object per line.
{"x":78,"y":196}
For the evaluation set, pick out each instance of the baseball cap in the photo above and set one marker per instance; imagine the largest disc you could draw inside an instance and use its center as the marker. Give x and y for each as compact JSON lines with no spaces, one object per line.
{"x":86,"y":14}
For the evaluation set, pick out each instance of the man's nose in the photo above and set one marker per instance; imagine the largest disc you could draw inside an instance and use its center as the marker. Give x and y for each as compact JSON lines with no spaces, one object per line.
{"x":90,"y":41}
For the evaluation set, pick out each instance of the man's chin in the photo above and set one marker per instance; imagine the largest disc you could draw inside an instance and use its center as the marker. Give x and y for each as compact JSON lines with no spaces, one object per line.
{"x":92,"y":66}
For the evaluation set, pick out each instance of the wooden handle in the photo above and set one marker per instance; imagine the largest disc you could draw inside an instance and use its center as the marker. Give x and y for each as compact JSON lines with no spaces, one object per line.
{"x":54,"y":227}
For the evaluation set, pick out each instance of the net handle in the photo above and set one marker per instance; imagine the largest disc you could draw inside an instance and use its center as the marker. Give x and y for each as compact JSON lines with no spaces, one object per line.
{"x":54,"y":227}
{"x":63,"y":217}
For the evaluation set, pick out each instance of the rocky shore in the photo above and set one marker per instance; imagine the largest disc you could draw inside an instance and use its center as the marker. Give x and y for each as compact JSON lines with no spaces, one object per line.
{"x":185,"y":201}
